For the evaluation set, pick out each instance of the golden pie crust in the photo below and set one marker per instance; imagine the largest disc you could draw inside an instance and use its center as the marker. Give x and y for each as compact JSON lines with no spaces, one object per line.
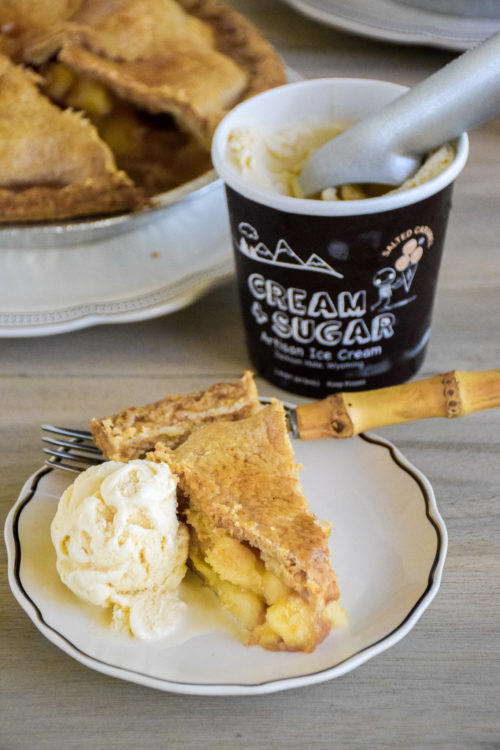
{"x":21,"y":19}
{"x":170,"y":68}
{"x":135,"y":430}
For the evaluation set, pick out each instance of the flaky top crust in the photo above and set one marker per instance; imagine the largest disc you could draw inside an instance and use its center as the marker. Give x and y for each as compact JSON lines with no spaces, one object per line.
{"x":136,"y":429}
{"x":238,"y":38}
{"x":35,"y":13}
{"x":196,"y":87}
{"x":241,"y":478}
{"x":123,"y":30}
{"x":23,"y":20}
{"x":193,"y":59}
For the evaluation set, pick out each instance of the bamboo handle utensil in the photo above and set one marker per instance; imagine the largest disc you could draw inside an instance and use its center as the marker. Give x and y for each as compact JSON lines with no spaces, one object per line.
{"x":452,"y":394}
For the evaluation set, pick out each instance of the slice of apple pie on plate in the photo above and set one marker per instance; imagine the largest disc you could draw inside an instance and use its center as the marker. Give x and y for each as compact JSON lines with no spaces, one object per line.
{"x":253,"y":538}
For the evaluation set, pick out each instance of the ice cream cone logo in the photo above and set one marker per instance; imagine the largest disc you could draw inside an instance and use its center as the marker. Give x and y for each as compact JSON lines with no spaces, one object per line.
{"x":411,"y":253}
{"x":401,"y":274}
{"x":388,"y":279}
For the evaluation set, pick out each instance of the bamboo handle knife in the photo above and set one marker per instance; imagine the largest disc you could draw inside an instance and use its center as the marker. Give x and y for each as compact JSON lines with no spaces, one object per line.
{"x":452,"y":394}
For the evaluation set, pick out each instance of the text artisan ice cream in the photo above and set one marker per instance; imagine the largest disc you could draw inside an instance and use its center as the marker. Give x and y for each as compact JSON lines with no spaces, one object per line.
{"x":119,"y":544}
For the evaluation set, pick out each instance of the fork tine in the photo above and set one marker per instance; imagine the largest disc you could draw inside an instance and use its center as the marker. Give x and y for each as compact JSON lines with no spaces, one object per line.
{"x":70,"y":432}
{"x":89,"y":460}
{"x":90,"y":447}
{"x":74,"y":454}
{"x":56,"y":463}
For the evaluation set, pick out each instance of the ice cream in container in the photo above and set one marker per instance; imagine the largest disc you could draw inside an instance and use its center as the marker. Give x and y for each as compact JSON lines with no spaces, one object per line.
{"x":337,"y":293}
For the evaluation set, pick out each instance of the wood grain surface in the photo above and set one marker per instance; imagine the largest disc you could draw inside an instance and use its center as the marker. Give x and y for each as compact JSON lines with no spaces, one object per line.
{"x":437,"y":688}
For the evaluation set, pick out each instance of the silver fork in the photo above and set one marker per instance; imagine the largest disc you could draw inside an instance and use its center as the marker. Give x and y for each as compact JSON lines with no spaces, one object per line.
{"x":69,"y":449}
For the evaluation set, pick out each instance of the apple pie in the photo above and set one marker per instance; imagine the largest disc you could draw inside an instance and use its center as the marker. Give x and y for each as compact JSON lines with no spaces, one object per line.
{"x":153,"y":76}
{"x":253,"y":538}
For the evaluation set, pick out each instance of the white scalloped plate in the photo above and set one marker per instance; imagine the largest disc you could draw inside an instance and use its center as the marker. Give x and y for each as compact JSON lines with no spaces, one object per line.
{"x":388,"y":549}
{"x":396,"y":22}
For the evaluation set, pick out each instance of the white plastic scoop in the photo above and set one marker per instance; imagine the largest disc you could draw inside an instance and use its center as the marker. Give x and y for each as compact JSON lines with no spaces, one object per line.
{"x":388,"y":146}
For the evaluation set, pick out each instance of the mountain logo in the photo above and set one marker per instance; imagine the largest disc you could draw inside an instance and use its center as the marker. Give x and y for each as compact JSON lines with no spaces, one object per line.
{"x":283,"y":255}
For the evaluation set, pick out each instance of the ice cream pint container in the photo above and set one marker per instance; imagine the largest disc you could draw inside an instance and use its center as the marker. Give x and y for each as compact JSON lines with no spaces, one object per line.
{"x":335,"y":295}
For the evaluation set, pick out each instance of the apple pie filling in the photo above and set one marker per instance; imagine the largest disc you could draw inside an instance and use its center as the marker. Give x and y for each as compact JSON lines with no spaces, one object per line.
{"x":151,"y":149}
{"x":275,"y":616}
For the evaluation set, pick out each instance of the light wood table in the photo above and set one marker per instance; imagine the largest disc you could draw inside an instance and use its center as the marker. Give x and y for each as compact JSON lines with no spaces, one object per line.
{"x":439,"y":686}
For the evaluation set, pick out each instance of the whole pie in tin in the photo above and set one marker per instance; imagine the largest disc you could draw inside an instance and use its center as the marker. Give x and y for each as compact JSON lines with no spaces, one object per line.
{"x":150,"y":80}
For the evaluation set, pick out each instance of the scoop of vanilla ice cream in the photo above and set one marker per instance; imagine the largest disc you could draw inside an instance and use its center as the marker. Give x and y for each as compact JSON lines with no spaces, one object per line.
{"x":119,"y":544}
{"x":273,"y":160}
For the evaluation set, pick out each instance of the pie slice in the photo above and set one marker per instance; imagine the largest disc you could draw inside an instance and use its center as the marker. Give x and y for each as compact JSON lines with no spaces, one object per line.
{"x":53,"y":165}
{"x":156,"y":77}
{"x":253,"y":537}
{"x":135,"y":430}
